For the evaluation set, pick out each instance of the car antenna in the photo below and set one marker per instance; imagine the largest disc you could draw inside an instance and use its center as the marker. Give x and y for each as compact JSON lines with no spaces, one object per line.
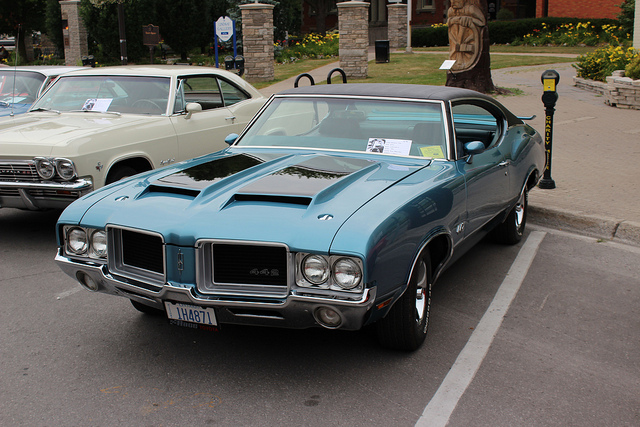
{"x":15,"y":70}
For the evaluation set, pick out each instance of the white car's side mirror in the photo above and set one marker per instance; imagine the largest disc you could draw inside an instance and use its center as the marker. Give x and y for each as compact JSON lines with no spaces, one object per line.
{"x":192,"y":107}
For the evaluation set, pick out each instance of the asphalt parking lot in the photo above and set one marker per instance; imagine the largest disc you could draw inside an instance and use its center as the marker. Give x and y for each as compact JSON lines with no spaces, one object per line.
{"x":565,"y":351}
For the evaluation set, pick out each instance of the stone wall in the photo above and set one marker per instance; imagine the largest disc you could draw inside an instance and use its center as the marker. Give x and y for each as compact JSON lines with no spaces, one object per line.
{"x":353,"y":26}
{"x":618,"y":91}
{"x":257,"y":41}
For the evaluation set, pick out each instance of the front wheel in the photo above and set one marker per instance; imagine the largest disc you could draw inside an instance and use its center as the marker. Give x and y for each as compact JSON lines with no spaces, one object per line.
{"x":405,"y":326}
{"x":511,"y":230}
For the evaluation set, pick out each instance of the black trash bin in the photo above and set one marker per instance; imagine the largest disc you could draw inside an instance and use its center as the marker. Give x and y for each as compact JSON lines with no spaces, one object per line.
{"x":382,"y":51}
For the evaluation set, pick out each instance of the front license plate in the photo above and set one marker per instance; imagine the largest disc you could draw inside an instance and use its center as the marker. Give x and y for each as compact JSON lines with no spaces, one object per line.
{"x":191,"y":313}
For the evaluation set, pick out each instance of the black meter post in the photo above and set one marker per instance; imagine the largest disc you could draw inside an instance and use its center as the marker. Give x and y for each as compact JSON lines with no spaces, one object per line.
{"x":550,"y":79}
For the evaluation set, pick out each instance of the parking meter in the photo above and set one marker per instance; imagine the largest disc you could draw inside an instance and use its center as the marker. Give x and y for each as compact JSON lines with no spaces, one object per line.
{"x":550,"y":79}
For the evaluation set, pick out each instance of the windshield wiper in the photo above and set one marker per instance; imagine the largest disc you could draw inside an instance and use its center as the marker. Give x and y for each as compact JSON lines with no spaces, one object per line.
{"x":45,"y":109}
{"x":96,"y":111}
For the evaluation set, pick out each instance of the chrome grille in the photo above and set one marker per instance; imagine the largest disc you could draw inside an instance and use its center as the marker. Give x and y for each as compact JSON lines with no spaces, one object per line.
{"x":18,"y":171}
{"x":254,"y":265}
{"x":243,"y":268}
{"x":137,"y":254}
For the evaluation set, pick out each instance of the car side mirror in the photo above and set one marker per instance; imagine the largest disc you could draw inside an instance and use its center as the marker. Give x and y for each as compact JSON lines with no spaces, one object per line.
{"x":231,"y":138}
{"x":192,"y":107}
{"x":472,"y":148}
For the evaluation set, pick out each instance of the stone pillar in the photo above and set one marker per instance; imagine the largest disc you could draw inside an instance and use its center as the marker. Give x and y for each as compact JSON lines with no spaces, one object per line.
{"x":397,"y":25}
{"x":75,"y":35}
{"x":353,"y":26}
{"x":257,"y":41}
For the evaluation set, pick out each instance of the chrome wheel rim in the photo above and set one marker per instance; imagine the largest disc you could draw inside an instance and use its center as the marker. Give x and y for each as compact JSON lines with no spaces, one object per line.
{"x":519,"y":211}
{"x":422,"y":293}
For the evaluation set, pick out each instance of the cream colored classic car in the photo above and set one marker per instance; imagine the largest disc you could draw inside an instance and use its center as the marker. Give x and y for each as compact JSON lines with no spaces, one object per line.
{"x":98,"y":125}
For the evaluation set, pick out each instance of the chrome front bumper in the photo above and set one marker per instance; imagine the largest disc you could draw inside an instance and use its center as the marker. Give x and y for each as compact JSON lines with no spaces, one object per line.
{"x":42,"y":195}
{"x":295,"y":311}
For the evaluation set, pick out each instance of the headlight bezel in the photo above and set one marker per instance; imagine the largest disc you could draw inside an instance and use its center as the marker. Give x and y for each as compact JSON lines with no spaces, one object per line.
{"x":39,"y":161}
{"x":96,"y":249}
{"x":57,"y":167}
{"x":332,"y":283}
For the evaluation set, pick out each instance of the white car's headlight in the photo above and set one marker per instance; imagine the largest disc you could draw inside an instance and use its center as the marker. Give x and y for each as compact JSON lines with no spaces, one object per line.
{"x":77,"y":242}
{"x":85,"y":242}
{"x":315,"y":269}
{"x":347,"y":273}
{"x":66,"y":169}
{"x":46,"y":168}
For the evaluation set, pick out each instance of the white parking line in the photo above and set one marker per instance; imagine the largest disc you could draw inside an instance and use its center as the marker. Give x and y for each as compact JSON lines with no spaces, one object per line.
{"x":441,"y":406}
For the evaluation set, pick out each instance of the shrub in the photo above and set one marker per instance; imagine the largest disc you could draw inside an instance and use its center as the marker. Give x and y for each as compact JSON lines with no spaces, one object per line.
{"x":311,"y":46}
{"x":632,"y":69}
{"x":602,"y":62}
{"x":504,"y":14}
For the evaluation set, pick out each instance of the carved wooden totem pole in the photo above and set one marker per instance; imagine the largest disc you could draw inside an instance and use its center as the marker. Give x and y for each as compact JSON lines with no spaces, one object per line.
{"x":469,"y":46}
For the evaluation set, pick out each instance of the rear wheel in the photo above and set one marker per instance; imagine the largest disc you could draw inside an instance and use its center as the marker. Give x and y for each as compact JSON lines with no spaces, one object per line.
{"x":405,"y":326}
{"x":146,"y":309}
{"x":511,"y":230}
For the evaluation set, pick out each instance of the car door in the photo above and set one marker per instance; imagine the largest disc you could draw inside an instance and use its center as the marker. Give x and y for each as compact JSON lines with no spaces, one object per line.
{"x":203,"y":132}
{"x":487,"y":173}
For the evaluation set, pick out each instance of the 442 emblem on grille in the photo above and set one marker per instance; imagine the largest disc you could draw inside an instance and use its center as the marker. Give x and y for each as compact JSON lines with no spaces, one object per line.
{"x":265,"y":272}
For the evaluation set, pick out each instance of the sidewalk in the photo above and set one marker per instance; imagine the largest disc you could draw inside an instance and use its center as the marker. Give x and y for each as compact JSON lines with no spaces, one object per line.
{"x":596,"y":150}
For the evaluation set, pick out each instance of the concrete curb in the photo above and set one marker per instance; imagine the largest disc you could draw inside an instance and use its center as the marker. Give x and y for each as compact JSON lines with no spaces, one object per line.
{"x":627,"y":232}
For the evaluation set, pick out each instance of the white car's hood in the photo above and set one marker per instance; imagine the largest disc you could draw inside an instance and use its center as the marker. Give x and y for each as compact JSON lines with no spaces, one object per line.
{"x":40,"y":133}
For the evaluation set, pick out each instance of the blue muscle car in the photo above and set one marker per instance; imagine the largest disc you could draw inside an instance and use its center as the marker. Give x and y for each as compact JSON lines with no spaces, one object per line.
{"x":338,"y":206}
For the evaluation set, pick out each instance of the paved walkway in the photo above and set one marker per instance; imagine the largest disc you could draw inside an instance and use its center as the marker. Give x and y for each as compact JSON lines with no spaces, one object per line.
{"x":595,"y":158}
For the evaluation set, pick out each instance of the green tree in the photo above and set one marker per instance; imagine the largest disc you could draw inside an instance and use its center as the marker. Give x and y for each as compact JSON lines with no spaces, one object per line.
{"x":627,"y":15}
{"x":101,"y":20}
{"x":53,"y":24}
{"x":20,"y":19}
{"x":185,"y":25}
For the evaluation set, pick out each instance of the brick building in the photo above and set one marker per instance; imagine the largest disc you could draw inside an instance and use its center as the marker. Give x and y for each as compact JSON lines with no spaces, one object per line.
{"x":428,"y":12}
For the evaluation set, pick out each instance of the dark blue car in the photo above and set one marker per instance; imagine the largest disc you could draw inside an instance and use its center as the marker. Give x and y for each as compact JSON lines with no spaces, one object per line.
{"x":338,"y":207}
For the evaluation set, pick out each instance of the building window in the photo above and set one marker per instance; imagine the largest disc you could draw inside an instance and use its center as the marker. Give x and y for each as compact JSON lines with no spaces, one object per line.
{"x":426,"y":5}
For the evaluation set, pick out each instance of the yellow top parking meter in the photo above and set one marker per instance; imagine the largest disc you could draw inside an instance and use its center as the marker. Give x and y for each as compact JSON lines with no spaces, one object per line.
{"x":550,"y":79}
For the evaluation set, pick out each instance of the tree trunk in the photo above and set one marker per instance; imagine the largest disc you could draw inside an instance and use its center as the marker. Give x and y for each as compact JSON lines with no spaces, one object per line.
{"x":469,"y":46}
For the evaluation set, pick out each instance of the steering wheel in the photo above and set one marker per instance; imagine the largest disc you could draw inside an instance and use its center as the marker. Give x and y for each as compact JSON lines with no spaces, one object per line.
{"x":147,"y":106}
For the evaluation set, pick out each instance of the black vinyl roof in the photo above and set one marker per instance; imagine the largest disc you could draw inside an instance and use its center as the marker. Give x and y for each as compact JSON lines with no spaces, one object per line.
{"x":440,"y":93}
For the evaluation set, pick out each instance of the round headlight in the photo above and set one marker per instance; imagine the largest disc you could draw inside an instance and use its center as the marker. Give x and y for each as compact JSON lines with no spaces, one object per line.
{"x":99,"y":244}
{"x":315,"y":269}
{"x":347,"y":273}
{"x":65,"y":169}
{"x":45,"y":168}
{"x":77,"y":242}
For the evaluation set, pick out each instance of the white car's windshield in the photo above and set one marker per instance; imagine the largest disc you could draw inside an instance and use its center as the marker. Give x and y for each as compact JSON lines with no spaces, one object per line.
{"x":118,"y":94}
{"x":404,"y":128}
{"x":19,"y":87}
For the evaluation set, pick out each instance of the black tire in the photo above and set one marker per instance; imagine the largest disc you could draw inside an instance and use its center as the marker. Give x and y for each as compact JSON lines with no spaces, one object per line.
{"x":511,"y":230}
{"x":143,"y":308}
{"x":120,"y":172}
{"x":405,"y":326}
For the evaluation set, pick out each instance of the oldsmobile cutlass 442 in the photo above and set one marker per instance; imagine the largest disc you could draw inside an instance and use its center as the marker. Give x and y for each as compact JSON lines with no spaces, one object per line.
{"x":338,"y":207}
{"x":97,"y":125}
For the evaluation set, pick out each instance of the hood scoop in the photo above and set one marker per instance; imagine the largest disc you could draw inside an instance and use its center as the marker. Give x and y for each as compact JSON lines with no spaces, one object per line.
{"x":301,"y":182}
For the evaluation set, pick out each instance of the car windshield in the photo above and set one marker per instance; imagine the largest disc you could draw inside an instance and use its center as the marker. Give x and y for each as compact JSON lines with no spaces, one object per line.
{"x":404,"y":128}
{"x":118,"y":94}
{"x":20,"y":87}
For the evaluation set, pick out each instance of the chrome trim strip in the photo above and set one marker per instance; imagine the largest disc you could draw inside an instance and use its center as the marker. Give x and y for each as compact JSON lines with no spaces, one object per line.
{"x":79,"y":185}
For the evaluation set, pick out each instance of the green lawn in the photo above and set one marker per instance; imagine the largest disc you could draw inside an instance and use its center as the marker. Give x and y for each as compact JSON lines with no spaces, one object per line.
{"x":423,"y":68}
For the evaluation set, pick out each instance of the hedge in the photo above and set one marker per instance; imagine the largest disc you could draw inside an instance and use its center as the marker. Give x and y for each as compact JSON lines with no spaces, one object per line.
{"x":500,"y":32}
